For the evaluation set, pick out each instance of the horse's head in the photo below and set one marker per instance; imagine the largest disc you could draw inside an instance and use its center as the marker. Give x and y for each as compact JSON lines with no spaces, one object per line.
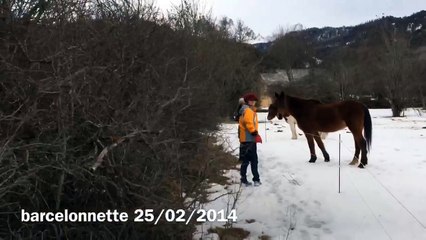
{"x":273,"y":111}
{"x":278,"y":107}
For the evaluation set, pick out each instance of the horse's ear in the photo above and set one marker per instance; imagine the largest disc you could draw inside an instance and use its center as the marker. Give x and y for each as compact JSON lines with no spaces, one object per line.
{"x":277,"y":95}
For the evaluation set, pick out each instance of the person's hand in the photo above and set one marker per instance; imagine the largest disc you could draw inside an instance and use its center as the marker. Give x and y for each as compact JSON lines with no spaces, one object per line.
{"x":258,"y":139}
{"x":254,"y":133}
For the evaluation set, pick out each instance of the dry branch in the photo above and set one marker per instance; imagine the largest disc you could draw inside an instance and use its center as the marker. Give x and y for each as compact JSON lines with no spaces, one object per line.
{"x":117,"y":141}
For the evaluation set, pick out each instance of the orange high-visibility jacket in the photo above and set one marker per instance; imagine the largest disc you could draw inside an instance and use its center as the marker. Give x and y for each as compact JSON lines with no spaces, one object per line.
{"x":248,"y":124}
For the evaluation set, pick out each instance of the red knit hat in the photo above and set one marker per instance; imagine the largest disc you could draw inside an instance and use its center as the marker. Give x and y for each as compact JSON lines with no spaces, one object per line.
{"x":250,"y":97}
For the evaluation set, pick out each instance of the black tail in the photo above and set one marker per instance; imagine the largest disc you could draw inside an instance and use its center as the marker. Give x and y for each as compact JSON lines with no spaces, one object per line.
{"x":368,"y":128}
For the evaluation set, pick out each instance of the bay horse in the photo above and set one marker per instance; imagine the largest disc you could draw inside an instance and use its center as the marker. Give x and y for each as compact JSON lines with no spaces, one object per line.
{"x":313,"y":116}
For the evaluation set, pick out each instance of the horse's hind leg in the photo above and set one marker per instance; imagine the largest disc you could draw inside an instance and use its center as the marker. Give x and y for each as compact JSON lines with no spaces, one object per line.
{"x":322,"y":147}
{"x":311,"y":144}
{"x":364,"y":160}
{"x":355,"y":160}
{"x":362,"y":145}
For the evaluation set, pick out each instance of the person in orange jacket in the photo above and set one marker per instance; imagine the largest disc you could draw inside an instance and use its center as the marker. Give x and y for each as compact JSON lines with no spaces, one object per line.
{"x":248,"y":135}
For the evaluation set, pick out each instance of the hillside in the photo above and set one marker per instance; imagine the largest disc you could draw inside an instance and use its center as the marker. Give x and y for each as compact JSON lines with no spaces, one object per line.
{"x":326,"y":39}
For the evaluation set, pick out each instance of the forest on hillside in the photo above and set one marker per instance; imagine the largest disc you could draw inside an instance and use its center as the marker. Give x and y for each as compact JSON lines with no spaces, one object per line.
{"x":381,"y":63}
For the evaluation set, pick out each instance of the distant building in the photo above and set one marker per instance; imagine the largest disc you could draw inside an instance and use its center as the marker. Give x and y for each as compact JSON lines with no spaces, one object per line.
{"x":280,"y":76}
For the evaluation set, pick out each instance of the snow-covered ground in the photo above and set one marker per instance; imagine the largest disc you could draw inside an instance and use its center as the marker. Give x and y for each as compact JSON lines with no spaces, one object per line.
{"x":299,"y":200}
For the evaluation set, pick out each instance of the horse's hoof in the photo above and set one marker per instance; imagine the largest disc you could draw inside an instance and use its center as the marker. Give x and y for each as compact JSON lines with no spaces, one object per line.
{"x":326,"y":157}
{"x":313,"y":159}
{"x":361,"y":165}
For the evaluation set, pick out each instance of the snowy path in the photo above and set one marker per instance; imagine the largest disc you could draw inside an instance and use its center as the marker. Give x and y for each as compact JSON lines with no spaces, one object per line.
{"x":387,"y":200}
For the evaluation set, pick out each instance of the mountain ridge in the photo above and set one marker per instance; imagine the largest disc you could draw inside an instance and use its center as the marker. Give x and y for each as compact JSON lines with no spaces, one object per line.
{"x":328,"y":38}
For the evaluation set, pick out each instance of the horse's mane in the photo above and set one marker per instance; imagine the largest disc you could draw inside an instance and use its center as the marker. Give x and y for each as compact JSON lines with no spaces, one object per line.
{"x":314,"y":101}
{"x":299,"y":99}
{"x":297,"y":105}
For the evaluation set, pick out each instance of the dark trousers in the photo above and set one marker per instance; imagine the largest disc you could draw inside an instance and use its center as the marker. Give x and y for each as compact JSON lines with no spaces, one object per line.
{"x":248,"y":155}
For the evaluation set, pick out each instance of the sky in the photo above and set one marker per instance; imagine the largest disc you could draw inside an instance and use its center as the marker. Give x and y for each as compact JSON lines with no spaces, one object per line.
{"x":266,"y":16}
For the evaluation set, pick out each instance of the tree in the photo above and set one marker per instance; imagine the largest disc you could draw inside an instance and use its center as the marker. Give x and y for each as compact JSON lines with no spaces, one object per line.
{"x":289,"y":50}
{"x":420,"y":80}
{"x":243,"y":33}
{"x":342,"y":69}
{"x":395,"y":67}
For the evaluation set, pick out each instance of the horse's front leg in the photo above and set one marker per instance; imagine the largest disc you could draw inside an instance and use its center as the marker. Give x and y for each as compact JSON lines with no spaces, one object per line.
{"x":317,"y":138}
{"x":311,"y":144}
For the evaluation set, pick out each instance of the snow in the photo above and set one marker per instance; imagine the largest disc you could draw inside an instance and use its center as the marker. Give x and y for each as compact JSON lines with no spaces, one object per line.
{"x":410,"y":27}
{"x":299,"y":200}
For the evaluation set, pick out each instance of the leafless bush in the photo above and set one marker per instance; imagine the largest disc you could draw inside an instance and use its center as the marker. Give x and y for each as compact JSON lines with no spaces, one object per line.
{"x":112,"y":83}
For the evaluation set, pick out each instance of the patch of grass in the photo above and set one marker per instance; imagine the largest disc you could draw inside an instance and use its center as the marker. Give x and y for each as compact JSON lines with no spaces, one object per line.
{"x":230,"y":233}
{"x":250,"y":220}
{"x":208,"y":166}
{"x":215,"y":161}
{"x":265,"y":237}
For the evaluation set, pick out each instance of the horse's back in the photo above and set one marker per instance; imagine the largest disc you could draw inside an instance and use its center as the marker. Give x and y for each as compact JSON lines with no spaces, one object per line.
{"x":342,"y":109}
{"x":350,"y":109}
{"x":332,"y":117}
{"x":321,"y":117}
